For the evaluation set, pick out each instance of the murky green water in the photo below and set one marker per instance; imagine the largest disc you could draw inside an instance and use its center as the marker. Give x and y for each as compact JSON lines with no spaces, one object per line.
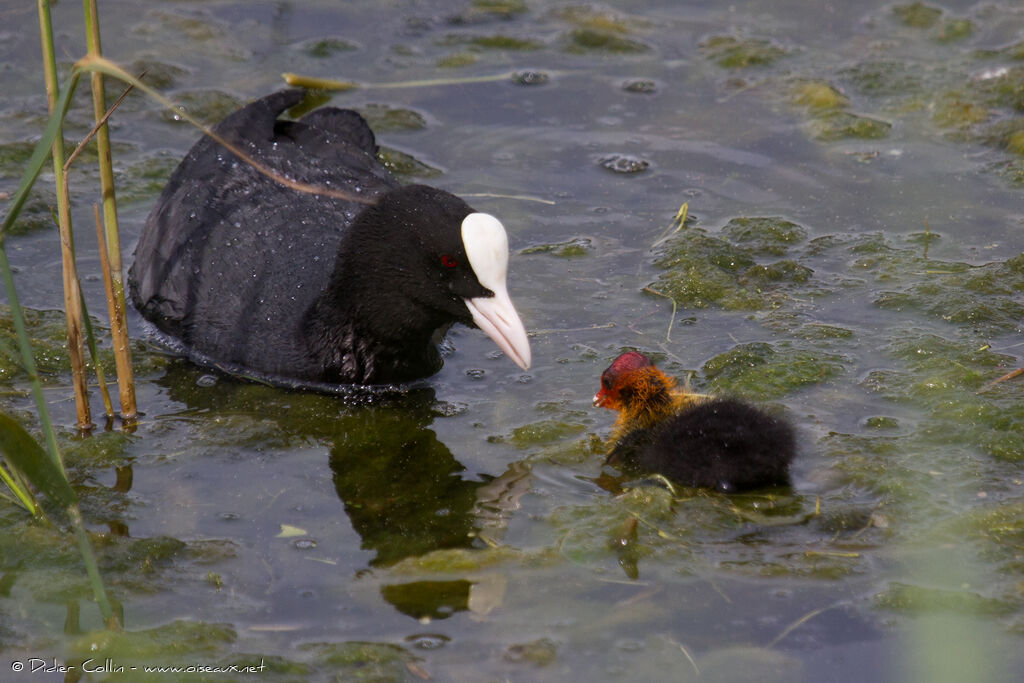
{"x":854,"y":255}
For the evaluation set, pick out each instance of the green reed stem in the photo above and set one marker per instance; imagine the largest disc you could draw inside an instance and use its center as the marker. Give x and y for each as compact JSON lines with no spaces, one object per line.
{"x":23,"y":495}
{"x":27,"y":361}
{"x":50,"y":142}
{"x":59,"y":480}
{"x":92,"y":568}
{"x":13,"y":479}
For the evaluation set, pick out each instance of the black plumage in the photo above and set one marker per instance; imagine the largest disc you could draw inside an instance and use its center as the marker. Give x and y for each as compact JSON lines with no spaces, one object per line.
{"x":259,"y":278}
{"x":721,"y":443}
{"x":692,"y":439}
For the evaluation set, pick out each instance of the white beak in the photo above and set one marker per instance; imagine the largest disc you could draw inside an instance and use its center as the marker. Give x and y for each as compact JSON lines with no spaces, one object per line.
{"x":497,"y":317}
{"x":486,"y":244}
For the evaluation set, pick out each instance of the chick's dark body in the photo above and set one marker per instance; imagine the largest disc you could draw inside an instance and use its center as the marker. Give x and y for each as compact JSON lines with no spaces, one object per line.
{"x":721,"y":443}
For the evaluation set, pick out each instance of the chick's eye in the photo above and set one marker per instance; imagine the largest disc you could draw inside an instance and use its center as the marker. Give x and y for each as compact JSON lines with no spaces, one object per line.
{"x":606,"y":383}
{"x":448,"y":262}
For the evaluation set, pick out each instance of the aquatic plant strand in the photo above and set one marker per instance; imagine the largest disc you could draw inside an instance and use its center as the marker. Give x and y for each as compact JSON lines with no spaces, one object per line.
{"x":300,"y":81}
{"x":90,"y":337}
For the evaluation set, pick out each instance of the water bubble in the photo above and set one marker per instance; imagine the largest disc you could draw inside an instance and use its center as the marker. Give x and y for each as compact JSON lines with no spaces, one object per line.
{"x":206,"y":381}
{"x":623,"y":163}
{"x":428,"y":641}
{"x":629,"y":645}
{"x":640,"y":86}
{"x":529,"y":78}
{"x":449,"y":409}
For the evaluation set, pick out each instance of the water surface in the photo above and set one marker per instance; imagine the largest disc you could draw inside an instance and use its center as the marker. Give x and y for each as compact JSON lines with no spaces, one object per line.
{"x":853,"y":256}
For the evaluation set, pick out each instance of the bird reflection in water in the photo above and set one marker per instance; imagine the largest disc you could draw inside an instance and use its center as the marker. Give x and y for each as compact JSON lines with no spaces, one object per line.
{"x":406,"y":495}
{"x":404,"y":491}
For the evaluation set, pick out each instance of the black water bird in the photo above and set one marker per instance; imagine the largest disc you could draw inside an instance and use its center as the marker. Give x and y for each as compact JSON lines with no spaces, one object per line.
{"x":355,"y":283}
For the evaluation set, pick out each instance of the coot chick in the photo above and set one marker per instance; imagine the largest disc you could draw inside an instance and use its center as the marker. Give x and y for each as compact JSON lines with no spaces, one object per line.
{"x":353,"y":285}
{"x":692,"y":439}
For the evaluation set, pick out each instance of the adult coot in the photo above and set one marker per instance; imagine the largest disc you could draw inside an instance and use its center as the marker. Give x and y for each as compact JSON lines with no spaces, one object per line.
{"x":693,"y":439}
{"x":355,"y":283}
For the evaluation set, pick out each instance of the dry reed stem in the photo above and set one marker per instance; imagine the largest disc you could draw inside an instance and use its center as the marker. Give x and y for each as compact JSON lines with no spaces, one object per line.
{"x":72,"y":304}
{"x":99,"y":63}
{"x":115,"y":292}
{"x":1008,"y":376}
{"x":92,"y":132}
{"x":72,"y":296}
{"x":518,"y":197}
{"x":313,"y":83}
{"x":105,"y":267}
{"x":800,"y":622}
{"x":104,"y":65}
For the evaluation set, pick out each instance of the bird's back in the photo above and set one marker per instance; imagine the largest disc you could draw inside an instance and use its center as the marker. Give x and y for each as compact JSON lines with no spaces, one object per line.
{"x":230,"y":260}
{"x":721,"y":443}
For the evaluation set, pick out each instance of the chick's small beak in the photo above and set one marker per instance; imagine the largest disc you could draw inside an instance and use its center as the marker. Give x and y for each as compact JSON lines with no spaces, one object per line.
{"x":599,"y":399}
{"x":498,"y":319}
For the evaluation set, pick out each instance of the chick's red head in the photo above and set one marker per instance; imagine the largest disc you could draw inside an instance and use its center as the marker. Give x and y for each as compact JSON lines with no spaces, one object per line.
{"x":620,"y":375}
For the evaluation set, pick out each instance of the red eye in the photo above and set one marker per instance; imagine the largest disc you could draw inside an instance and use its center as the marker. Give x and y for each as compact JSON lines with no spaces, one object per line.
{"x":448,"y":262}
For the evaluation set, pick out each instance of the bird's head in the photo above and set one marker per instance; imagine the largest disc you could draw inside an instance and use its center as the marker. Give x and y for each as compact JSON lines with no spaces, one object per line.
{"x":632,"y":384}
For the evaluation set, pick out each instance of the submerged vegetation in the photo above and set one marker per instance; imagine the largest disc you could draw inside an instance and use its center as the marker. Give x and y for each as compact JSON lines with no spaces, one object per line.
{"x":731,"y":52}
{"x":701,"y":269}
